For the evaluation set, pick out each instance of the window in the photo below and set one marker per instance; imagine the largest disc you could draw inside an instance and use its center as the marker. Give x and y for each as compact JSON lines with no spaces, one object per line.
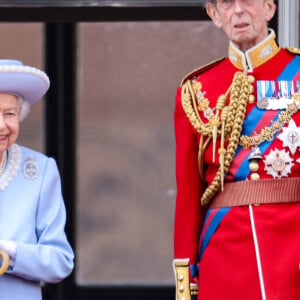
{"x":126,"y":149}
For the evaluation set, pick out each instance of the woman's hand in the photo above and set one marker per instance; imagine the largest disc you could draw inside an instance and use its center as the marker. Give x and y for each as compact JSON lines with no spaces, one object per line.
{"x":5,"y":262}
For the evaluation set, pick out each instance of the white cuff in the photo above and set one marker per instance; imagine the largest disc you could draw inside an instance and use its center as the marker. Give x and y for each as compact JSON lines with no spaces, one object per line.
{"x":10,"y":248}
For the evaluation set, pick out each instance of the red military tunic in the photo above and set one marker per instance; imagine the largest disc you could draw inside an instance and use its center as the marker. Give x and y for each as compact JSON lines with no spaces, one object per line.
{"x":248,"y":251}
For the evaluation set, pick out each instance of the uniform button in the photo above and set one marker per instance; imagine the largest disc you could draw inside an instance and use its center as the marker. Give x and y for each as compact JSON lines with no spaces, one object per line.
{"x":253,"y":166}
{"x":255,"y":176}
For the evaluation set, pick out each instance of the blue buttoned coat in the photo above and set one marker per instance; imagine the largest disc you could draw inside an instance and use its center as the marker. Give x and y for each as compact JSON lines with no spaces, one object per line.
{"x":32,"y":214}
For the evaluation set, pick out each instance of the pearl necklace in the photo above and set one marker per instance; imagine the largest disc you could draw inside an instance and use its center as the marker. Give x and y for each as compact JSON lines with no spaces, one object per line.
{"x":3,"y":163}
{"x":10,"y":167}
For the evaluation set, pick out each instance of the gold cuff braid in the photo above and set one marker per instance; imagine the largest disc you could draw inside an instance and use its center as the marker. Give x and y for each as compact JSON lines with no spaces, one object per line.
{"x":184,"y":290}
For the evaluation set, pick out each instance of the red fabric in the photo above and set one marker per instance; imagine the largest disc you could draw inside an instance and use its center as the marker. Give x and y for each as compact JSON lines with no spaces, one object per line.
{"x":230,"y":257}
{"x":230,"y":253}
{"x":188,"y":216}
{"x":278,"y":228}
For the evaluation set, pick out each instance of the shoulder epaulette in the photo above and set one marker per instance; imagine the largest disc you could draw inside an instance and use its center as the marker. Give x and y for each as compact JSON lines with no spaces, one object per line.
{"x":293,"y":50}
{"x":201,"y":70}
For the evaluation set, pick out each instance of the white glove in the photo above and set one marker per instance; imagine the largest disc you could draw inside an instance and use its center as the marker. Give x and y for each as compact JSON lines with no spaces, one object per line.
{"x":11,"y":249}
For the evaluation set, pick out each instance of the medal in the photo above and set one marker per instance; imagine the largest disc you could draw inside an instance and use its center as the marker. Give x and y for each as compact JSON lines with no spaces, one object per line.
{"x":263,"y":103}
{"x":263,"y":94}
{"x":278,"y":163}
{"x":281,"y":103}
{"x":273,"y":95}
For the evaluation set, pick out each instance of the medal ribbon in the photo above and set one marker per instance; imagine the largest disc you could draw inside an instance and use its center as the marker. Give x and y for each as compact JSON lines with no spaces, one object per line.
{"x":258,"y":119}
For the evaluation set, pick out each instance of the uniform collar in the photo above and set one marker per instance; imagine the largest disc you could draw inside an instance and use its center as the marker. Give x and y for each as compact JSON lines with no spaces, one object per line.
{"x":255,"y":56}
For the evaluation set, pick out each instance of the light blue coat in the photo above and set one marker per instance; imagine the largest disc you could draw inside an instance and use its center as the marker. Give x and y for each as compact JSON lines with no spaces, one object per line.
{"x":32,"y":214}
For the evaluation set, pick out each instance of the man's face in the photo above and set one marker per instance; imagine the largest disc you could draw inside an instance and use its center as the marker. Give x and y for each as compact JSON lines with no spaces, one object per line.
{"x":243,"y":21}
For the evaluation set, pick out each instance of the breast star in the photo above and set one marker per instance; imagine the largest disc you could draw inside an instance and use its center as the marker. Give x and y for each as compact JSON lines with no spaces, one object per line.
{"x":290,"y":136}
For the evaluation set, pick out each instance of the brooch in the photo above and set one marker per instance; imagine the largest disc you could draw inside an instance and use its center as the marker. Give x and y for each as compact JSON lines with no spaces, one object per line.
{"x":31,"y":169}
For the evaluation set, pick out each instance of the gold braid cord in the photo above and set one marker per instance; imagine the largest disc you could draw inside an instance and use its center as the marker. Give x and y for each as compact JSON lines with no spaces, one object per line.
{"x":226,"y":124}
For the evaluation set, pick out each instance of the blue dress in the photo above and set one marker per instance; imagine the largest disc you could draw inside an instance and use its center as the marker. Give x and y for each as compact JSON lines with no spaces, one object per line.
{"x":33,"y":215}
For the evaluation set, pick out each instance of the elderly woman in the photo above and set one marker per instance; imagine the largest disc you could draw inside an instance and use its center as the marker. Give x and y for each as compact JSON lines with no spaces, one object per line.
{"x":32,"y":211}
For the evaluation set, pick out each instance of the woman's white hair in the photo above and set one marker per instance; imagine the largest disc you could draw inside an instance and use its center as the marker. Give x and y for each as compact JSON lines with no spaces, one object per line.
{"x":24,"y":108}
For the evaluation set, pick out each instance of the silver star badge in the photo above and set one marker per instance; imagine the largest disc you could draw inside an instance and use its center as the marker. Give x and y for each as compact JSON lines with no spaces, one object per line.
{"x":278,"y":163}
{"x":290,"y":136}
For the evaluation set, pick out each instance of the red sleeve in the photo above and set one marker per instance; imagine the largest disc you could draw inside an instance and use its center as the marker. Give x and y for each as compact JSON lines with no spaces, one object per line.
{"x":188,"y":214}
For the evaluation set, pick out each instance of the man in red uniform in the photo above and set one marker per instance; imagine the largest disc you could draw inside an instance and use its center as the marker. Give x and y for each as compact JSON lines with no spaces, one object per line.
{"x":237,"y":130}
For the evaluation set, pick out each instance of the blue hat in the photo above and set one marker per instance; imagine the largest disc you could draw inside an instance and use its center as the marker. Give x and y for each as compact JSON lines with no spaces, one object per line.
{"x":28,"y":82}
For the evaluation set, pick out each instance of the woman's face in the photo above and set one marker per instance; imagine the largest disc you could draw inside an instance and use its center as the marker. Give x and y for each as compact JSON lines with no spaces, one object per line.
{"x":244,"y":21}
{"x":9,"y":121}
